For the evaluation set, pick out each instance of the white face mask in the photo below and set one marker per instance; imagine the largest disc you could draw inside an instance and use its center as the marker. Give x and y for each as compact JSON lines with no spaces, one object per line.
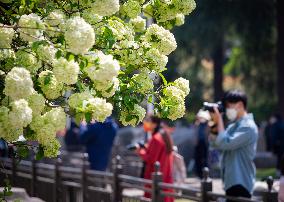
{"x":231,"y":114}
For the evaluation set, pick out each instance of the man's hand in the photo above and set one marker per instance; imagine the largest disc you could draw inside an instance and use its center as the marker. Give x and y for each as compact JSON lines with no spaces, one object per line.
{"x":218,"y":120}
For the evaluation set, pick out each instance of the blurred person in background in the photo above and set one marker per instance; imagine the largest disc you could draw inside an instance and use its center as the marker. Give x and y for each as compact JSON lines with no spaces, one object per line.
{"x":238,"y":144}
{"x":159,"y":149}
{"x":277,"y":132}
{"x":3,"y":148}
{"x":201,"y":147}
{"x":281,"y":182}
{"x":179,"y":169}
{"x":72,"y":137}
{"x":268,"y":133}
{"x":98,"y":138}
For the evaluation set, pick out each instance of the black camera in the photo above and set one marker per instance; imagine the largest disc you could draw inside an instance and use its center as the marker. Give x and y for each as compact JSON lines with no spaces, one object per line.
{"x":132,"y":147}
{"x":210,"y":106}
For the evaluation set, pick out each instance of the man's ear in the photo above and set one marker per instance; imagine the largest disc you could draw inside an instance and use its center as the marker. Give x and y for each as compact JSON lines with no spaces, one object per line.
{"x":241,"y":105}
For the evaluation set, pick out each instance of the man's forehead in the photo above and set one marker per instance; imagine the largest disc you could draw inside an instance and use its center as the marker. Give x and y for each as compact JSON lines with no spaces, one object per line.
{"x":230,"y":104}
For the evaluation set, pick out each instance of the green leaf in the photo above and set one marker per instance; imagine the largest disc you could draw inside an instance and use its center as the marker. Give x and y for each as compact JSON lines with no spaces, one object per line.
{"x":36,"y":44}
{"x":40,"y":153}
{"x":88,"y":117}
{"x":82,"y":65}
{"x":58,"y":54}
{"x":128,"y":118}
{"x":69,"y":56}
{"x":164,"y":79}
{"x":150,"y":99}
{"x":23,"y":151}
{"x":47,"y":79}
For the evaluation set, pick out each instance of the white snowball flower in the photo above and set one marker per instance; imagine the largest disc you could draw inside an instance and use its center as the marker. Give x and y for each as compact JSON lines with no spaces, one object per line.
{"x":183,"y":85}
{"x":6,"y":36}
{"x":179,"y":19}
{"x":76,"y":100}
{"x":46,"y":53}
{"x":7,"y":130}
{"x":31,"y":27}
{"x":138,"y":23}
{"x":91,"y":17}
{"x":107,"y":88}
{"x":55,"y":18}
{"x":50,"y":86}
{"x":79,"y":35}
{"x":18,"y":83}
{"x":161,"y":39}
{"x":106,"y":68}
{"x":176,"y":111}
{"x":174,"y":93}
{"x":174,"y":97}
{"x":21,"y":114}
{"x":105,"y":7}
{"x":28,"y":60}
{"x":156,"y":60}
{"x":6,"y":53}
{"x":36,"y":103}
{"x":131,"y":8}
{"x":185,"y":6}
{"x":57,"y":118}
{"x":143,"y":82}
{"x":138,"y":114}
{"x":99,"y":108}
{"x":51,"y":149}
{"x":66,"y":71}
{"x":47,"y":125}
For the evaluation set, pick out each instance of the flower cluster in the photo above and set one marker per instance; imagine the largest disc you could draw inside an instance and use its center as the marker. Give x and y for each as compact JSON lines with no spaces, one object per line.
{"x":161,"y":39}
{"x":143,"y":82}
{"x":50,"y":86}
{"x":36,"y":103}
{"x":79,"y":35}
{"x":183,"y":85}
{"x":103,"y":68}
{"x":132,"y":117}
{"x":6,"y":53}
{"x":21,"y":114}
{"x":45,"y":126}
{"x":31,"y":27}
{"x":28,"y":60}
{"x":13,"y":121}
{"x":131,"y":8}
{"x":174,"y":96}
{"x":6,"y":36}
{"x":156,"y":61}
{"x":105,"y":7}
{"x":83,"y":58}
{"x":169,"y":13}
{"x":18,"y":83}
{"x":138,"y":23}
{"x":108,"y":88}
{"x":98,"y":108}
{"x":66,"y":72}
{"x":46,"y":53}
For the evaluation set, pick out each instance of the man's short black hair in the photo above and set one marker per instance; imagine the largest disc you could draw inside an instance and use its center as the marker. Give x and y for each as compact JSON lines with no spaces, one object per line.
{"x":235,"y":96}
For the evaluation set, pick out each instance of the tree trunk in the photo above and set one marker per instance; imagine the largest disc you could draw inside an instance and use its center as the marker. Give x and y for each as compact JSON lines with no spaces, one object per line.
{"x":280,"y":55}
{"x":218,"y":59}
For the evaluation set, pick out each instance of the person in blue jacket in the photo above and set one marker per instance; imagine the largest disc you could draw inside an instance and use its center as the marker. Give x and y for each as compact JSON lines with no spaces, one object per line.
{"x":98,"y":139}
{"x":238,"y":145}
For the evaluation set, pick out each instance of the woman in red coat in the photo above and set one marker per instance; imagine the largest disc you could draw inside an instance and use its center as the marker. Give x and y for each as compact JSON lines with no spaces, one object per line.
{"x":158,"y":149}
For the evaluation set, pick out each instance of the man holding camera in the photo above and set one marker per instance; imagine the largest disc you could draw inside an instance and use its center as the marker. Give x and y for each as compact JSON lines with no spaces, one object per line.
{"x":238,"y":145}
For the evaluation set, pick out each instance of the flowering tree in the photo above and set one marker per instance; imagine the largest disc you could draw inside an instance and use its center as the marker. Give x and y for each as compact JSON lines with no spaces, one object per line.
{"x":84,"y":58}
